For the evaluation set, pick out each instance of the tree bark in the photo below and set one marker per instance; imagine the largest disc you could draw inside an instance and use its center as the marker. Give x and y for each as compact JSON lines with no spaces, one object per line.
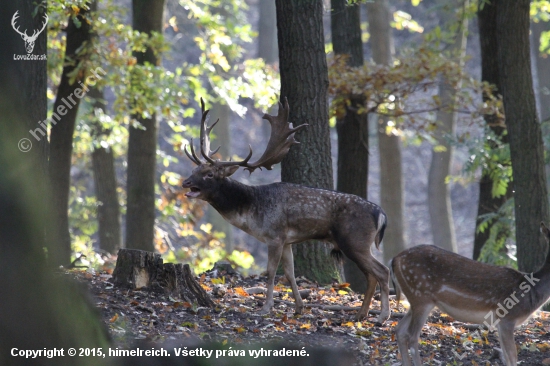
{"x":142,"y":144}
{"x":103,"y":165}
{"x":36,"y":311}
{"x":439,"y":193}
{"x":32,"y":76}
{"x":138,"y":269}
{"x":304,"y":81}
{"x":543,"y":70}
{"x":489,"y":72}
{"x":267,"y":32}
{"x":526,"y":148}
{"x":61,"y":136}
{"x":223,"y":139}
{"x":353,"y":134}
{"x":391,"y":176}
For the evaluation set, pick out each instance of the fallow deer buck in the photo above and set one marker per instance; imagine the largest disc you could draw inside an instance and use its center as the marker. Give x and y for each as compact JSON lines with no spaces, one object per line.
{"x":282,"y":214}
{"x":469,"y":291}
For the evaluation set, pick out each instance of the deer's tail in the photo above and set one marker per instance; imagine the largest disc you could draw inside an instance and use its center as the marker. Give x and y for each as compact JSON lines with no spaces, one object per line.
{"x":395,"y":283}
{"x":382,"y":221}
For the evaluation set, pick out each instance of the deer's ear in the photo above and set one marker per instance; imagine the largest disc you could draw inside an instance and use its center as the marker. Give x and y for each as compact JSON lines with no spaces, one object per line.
{"x":228,"y":171}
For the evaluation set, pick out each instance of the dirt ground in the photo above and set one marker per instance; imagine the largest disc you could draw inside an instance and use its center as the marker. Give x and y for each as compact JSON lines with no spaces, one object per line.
{"x":143,"y":317}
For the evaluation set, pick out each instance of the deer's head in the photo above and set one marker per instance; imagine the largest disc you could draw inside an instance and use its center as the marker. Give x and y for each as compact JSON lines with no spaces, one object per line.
{"x":29,"y":40}
{"x":209,"y":173}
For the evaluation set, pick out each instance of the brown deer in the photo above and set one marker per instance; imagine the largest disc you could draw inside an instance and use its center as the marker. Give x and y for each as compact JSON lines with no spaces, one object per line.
{"x":282,"y":214}
{"x":469,"y":291}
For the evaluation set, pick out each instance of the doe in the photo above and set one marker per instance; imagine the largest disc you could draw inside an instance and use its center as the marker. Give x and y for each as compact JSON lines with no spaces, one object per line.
{"x":469,"y":291}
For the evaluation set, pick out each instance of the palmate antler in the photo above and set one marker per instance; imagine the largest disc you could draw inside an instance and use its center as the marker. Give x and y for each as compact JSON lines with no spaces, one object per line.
{"x":280,"y":141}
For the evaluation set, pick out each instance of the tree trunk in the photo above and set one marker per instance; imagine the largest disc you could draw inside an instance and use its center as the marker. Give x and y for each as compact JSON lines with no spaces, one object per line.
{"x":36,"y":311}
{"x":526,"y":148}
{"x":543,"y":70}
{"x":142,"y":144}
{"x":489,"y":72}
{"x":103,"y":164}
{"x":267,"y":32}
{"x":223,"y":139}
{"x":391,"y":176}
{"x":353,"y":134}
{"x":61,"y":136}
{"x":439,"y":193}
{"x":304,"y":81}
{"x":32,"y":76}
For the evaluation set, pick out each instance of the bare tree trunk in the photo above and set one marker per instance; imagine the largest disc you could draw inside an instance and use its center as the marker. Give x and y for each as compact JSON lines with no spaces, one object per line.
{"x":391,"y":176}
{"x":439,"y":194}
{"x":304,"y":81}
{"x":61,"y":136}
{"x":526,"y":147}
{"x":543,"y":70}
{"x":142,"y":145}
{"x":489,"y":73}
{"x":353,"y":134}
{"x":103,"y":165}
{"x":267,"y":32}
{"x":223,"y":139}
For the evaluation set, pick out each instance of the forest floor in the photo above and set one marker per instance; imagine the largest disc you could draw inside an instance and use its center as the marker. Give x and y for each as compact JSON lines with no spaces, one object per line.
{"x":328,"y":336}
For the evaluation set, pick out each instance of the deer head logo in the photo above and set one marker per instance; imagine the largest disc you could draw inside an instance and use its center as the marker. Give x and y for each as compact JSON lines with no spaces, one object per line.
{"x":29,"y":40}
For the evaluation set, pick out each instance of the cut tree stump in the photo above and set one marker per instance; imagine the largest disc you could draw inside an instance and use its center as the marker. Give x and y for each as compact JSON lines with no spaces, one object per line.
{"x":138,"y":269}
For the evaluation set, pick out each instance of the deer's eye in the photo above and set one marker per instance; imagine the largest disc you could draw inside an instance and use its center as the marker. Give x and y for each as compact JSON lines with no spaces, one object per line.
{"x":210,"y":175}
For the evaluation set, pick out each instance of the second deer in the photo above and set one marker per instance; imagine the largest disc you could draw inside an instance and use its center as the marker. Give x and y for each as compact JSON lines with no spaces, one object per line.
{"x":469,"y":291}
{"x":282,"y":214}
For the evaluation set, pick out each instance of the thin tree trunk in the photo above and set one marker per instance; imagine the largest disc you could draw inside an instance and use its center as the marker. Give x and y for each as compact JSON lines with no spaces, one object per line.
{"x":223,"y":139}
{"x":103,"y":164}
{"x":304,"y":81}
{"x":391,"y":176}
{"x":142,"y":144}
{"x":543,"y":70}
{"x":267,"y":32}
{"x":439,"y":193}
{"x":489,"y":72}
{"x":61,"y":136}
{"x":526,"y":147}
{"x":353,"y":134}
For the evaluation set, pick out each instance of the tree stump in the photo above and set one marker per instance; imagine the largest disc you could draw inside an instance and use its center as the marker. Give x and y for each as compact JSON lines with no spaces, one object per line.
{"x":138,"y":269}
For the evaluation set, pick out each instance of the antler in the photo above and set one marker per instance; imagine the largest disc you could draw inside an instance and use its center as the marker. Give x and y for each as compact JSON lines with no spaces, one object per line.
{"x":13,"y":19}
{"x":280,"y":141}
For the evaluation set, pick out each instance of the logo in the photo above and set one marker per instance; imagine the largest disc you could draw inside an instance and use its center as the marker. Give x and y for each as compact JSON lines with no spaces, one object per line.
{"x":29,"y":40}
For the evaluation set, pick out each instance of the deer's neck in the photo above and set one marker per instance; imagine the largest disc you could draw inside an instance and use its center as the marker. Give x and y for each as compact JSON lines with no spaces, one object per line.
{"x":232,"y":198}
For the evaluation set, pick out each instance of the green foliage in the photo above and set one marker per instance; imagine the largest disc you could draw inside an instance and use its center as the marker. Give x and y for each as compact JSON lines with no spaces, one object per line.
{"x":222,"y":73}
{"x":492,"y":156}
{"x":499,"y":249}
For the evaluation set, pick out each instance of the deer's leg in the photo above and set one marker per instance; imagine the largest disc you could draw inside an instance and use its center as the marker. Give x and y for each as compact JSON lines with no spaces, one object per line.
{"x":371,"y":287}
{"x":382,"y":274}
{"x":371,"y":267}
{"x":274,"y":251}
{"x":419,"y":315}
{"x":403,"y":338}
{"x":507,"y":343}
{"x":288,"y":266}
